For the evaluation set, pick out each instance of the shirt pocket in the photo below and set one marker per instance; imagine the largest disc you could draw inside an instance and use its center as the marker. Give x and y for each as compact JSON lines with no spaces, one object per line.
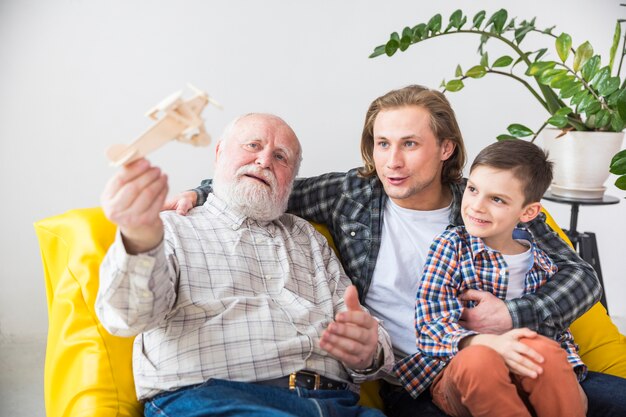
{"x":354,"y":230}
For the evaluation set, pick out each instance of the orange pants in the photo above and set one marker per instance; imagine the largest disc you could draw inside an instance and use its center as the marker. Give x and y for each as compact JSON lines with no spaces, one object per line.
{"x":478,"y":383}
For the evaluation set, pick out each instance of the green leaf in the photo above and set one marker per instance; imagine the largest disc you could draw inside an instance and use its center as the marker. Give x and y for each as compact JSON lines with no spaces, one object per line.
{"x":591,"y":67}
{"x":621,"y":154}
{"x":459,"y":71}
{"x":601,"y":77}
{"x":454,"y":85}
{"x":484,"y":59}
{"x":407,"y":32}
{"x":563,"y":45}
{"x":591,"y":122}
{"x":621,"y":104}
{"x":520,"y":33}
{"x":395,"y":36}
{"x":477,"y":71}
{"x":536,"y":68}
{"x":391,"y":47}
{"x":420,"y":32}
{"x":549,"y":30}
{"x":503,"y":61}
{"x":540,"y":52}
{"x":570,"y":89}
{"x":608,"y":86}
{"x":455,"y":19}
{"x":619,"y":167}
{"x":578,"y":97}
{"x":498,"y":19}
{"x":519,"y":131}
{"x":603,"y":118}
{"x":563,"y":111}
{"x":587,"y":101}
{"x":405,"y":42}
{"x":562,"y":81}
{"x":505,"y":137}
{"x":558,"y":121}
{"x":621,"y":182}
{"x":582,"y":55}
{"x":617,"y":124}
{"x":478,"y":19}
{"x":434,"y":24}
{"x":593,"y":108}
{"x":547,"y":76}
{"x":379,"y":50}
{"x":616,"y":37}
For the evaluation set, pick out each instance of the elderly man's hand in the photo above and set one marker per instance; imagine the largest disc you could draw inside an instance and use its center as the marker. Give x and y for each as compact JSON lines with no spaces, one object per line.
{"x":490,"y":315}
{"x":353,"y":337}
{"x":182,"y":202}
{"x":132,"y":199}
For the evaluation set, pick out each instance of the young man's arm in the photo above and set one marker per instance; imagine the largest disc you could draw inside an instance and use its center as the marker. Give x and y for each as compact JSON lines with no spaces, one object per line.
{"x":566,"y":296}
{"x":555,"y":305}
{"x":311,"y":198}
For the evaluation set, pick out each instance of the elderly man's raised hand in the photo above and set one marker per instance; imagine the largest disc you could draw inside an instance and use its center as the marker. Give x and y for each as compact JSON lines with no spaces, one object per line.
{"x":132,"y":199}
{"x":353,"y":337}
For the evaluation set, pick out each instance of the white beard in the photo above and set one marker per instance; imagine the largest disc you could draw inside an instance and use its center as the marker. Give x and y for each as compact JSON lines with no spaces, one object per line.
{"x":250,"y":197}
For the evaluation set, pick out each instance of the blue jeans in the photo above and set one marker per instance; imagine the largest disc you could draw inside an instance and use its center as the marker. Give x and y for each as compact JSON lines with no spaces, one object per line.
{"x":218,"y":397}
{"x":606,"y":395}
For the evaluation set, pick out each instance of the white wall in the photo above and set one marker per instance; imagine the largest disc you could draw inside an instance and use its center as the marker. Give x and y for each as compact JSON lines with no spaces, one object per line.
{"x":77,"y":76}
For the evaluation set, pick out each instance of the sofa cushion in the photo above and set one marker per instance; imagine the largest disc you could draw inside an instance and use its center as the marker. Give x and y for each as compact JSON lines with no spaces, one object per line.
{"x":88,"y":372}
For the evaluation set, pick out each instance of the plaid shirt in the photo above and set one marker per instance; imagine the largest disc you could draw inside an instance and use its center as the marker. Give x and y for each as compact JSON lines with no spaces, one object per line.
{"x":458,"y":261}
{"x":352,"y":209}
{"x":226,"y":297}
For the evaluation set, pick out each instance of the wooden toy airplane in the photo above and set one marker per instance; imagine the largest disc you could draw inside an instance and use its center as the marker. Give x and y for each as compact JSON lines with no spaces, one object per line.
{"x":177,"y":119}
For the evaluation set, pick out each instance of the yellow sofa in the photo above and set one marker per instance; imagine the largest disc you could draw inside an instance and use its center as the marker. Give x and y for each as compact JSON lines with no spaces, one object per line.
{"x":88,"y":372}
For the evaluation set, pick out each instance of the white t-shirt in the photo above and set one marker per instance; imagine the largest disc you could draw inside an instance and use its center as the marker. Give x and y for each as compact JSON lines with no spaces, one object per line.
{"x":518,"y":266}
{"x":406,"y":237}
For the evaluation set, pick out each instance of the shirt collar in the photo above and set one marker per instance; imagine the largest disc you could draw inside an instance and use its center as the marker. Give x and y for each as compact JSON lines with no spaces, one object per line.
{"x":540,"y":259}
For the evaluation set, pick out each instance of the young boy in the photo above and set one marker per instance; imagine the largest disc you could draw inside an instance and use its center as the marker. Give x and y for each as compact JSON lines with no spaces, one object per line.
{"x":518,"y":373}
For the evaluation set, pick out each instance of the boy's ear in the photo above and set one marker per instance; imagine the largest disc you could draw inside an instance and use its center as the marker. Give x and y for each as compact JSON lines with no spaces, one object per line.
{"x":530,"y":212}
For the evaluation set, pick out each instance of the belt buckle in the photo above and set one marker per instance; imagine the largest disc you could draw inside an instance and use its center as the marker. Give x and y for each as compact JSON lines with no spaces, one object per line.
{"x":294,"y":375}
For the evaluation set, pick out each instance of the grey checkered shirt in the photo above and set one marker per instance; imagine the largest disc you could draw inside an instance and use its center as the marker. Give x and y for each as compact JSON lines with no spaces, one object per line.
{"x":226,"y":297}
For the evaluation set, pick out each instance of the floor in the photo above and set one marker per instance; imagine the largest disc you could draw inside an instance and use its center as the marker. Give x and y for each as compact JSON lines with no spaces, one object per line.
{"x":21,"y":374}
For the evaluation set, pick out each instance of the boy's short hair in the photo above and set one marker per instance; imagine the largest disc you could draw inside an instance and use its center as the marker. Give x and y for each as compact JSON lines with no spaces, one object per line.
{"x":528,"y":163}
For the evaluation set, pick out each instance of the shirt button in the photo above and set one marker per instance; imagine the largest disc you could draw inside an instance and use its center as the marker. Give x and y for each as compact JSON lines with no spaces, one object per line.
{"x":352,"y":233}
{"x":234,"y":227}
{"x":268,"y":277}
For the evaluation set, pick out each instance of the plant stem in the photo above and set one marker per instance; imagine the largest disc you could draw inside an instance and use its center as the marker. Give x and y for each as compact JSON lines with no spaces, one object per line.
{"x":538,"y":132}
{"x":525,"y":83}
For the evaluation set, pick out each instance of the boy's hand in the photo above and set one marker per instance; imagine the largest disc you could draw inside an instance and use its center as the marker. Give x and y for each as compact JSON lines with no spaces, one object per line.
{"x":490,"y":315}
{"x":353,"y":337}
{"x":520,"y":358}
{"x":182,"y":202}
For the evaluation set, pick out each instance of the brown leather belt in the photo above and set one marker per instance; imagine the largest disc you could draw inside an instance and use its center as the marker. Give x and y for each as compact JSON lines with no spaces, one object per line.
{"x":307,"y":380}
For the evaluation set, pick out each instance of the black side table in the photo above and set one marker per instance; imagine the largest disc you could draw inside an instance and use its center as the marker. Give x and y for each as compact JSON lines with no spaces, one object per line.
{"x":585,"y":242}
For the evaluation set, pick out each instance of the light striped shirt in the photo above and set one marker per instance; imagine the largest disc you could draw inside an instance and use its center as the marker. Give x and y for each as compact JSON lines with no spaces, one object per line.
{"x":224,"y":296}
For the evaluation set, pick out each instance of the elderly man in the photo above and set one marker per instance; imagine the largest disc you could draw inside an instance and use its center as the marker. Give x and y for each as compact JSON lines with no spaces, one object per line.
{"x":233,"y":305}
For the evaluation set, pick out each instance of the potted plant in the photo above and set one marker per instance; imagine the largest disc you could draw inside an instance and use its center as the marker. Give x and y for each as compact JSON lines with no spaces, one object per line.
{"x":584,"y":98}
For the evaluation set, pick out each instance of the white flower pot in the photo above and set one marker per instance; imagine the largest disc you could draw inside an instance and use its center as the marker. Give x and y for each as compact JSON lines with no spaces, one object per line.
{"x":581,"y":161}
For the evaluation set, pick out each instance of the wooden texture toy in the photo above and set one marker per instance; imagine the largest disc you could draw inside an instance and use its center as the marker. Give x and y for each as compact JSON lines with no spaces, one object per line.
{"x":177,"y":119}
